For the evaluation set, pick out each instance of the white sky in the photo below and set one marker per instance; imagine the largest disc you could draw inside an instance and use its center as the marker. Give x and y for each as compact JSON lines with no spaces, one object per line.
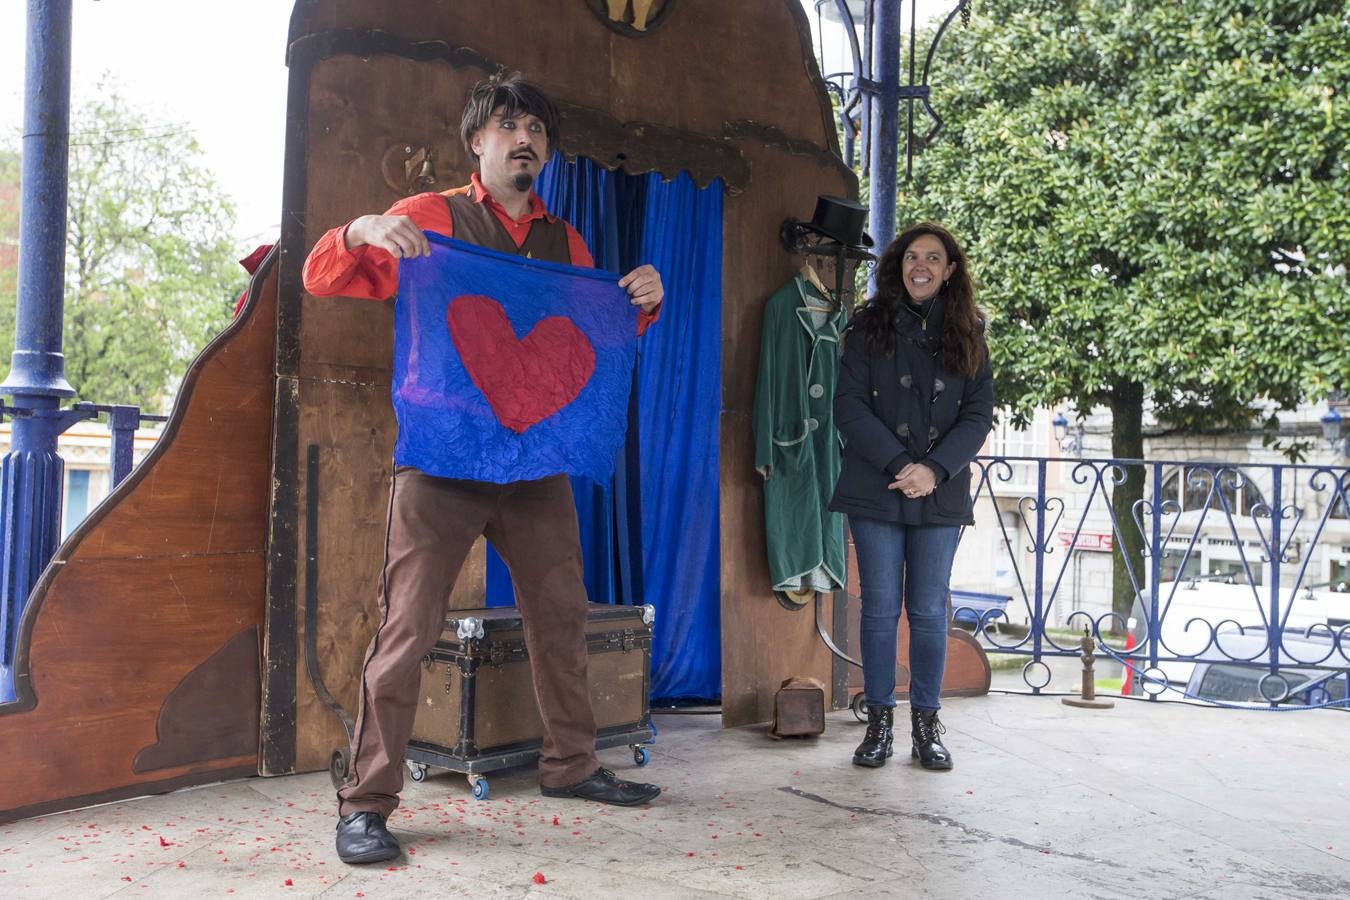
{"x":219,"y":67}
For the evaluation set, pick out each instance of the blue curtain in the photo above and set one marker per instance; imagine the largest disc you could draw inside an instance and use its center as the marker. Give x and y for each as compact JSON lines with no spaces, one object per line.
{"x":585,"y":196}
{"x":680,"y":403}
{"x":652,"y":535}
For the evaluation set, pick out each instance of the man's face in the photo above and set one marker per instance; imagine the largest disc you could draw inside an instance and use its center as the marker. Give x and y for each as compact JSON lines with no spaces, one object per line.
{"x":509,"y":149}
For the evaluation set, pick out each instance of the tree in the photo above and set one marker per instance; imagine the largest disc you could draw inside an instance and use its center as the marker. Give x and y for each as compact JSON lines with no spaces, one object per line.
{"x":150,"y":263}
{"x":1153,"y":195}
{"x":9,"y":243}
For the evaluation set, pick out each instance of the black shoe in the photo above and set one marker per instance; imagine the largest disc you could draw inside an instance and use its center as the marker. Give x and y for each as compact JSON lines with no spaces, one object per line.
{"x":925,"y":731}
{"x":603,"y":787}
{"x":362,"y":838}
{"x":876,"y":745}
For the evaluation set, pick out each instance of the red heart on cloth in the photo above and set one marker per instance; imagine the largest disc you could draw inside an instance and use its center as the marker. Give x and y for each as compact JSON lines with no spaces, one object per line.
{"x":525,"y":380}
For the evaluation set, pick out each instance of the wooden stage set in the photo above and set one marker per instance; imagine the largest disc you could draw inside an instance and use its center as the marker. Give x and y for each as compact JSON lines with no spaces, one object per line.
{"x":165,"y":645}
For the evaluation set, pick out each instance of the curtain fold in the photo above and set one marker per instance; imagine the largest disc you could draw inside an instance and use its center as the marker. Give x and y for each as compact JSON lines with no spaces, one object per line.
{"x":652,"y":536}
{"x":680,"y":403}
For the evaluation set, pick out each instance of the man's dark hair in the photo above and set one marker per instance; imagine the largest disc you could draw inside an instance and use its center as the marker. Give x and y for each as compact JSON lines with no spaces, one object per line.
{"x":514,"y":96}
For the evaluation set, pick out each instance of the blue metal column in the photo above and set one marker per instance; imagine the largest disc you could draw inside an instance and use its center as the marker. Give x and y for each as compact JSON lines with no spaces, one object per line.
{"x":30,"y":497}
{"x":884,"y":139}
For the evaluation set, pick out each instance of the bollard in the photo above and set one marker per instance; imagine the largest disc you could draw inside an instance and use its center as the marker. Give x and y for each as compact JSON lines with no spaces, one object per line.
{"x":1088,"y":699}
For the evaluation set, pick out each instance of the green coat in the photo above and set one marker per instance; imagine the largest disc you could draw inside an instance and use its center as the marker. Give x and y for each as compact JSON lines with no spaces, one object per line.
{"x":797,"y":448}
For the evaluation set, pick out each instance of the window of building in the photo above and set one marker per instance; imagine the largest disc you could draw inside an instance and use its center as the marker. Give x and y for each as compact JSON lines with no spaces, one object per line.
{"x":1173,"y":569}
{"x":1193,"y":488}
{"x":77,"y":500}
{"x":1033,"y":440}
{"x":1340,"y":575}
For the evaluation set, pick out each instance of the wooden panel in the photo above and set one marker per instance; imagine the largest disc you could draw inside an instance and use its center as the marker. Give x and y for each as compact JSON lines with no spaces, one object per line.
{"x":762,"y":643}
{"x":735,"y":61}
{"x":397,"y":79}
{"x":145,"y":602}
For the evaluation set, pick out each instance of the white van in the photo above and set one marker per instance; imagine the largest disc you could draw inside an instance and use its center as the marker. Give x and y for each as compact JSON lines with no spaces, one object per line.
{"x":1207,"y":619}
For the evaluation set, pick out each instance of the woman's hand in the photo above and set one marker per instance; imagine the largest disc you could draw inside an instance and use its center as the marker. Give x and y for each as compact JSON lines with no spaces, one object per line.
{"x":915,"y":480}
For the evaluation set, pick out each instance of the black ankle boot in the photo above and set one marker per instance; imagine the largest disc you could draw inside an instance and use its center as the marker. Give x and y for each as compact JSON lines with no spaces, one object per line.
{"x":924,"y":731}
{"x":876,"y":746}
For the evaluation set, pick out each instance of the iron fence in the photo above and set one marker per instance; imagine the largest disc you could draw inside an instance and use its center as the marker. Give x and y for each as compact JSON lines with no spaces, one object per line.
{"x":1239,"y":593}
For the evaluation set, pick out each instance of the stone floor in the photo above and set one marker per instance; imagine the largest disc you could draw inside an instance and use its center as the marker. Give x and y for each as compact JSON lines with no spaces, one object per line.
{"x":1144,"y":800}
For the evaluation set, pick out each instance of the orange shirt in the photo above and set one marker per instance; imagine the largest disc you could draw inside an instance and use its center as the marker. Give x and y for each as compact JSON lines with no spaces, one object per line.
{"x":371,"y":273}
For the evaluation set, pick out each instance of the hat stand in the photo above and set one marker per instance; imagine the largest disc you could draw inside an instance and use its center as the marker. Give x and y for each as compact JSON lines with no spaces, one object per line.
{"x":799,"y":238}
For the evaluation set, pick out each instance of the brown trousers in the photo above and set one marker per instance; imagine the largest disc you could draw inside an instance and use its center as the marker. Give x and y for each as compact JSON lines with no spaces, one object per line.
{"x":433,"y":523}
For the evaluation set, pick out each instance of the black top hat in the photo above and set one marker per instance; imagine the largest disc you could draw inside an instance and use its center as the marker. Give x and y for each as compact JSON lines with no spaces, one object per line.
{"x":840,"y":219}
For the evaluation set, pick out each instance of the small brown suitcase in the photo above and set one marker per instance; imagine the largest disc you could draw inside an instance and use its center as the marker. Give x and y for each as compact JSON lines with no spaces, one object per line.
{"x":477,"y":711}
{"x":798,"y":708}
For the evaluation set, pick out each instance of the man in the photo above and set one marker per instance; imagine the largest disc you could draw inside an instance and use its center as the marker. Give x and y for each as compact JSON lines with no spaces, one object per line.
{"x":511,"y":128}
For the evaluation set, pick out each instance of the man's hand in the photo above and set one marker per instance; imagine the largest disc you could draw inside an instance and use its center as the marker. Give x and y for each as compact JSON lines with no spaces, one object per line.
{"x":915,"y":480}
{"x":395,"y":234}
{"x":644,"y":287}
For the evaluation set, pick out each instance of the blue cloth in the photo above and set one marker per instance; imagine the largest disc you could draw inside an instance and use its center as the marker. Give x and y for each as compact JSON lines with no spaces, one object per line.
{"x":477,"y":389}
{"x":919,"y":557}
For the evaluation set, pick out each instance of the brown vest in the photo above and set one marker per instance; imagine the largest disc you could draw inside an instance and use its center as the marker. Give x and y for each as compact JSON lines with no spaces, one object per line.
{"x":474,"y":223}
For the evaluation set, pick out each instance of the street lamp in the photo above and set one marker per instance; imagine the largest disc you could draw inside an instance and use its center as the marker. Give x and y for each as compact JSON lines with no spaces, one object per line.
{"x":1331,"y":430}
{"x":1070,"y":442}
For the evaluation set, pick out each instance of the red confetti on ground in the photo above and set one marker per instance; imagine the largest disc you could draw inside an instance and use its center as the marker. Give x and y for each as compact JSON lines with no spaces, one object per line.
{"x":972,"y":793}
{"x":690,"y":853}
{"x":182,"y":865}
{"x":288,"y":882}
{"x":555,"y":820}
{"x":738,"y":868}
{"x":164,"y":843}
{"x":126,"y":877}
{"x":539,"y":878}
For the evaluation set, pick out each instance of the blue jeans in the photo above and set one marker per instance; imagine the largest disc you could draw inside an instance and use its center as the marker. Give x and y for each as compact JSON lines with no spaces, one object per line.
{"x":917,"y":559}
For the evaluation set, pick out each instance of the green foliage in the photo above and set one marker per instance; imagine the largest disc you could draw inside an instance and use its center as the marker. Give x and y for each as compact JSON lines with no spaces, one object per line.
{"x":150,"y":263}
{"x":1153,"y":196}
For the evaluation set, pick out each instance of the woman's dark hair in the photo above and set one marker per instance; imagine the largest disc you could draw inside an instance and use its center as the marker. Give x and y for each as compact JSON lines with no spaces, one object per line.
{"x":961,"y":347}
{"x":515,"y":97}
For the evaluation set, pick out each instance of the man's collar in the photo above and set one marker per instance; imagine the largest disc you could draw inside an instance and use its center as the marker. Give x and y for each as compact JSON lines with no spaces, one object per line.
{"x":481,"y":194}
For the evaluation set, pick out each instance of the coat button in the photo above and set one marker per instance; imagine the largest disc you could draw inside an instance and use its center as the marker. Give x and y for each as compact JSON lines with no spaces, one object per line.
{"x":907,"y":381}
{"x":812,"y":424}
{"x":818,"y":391}
{"x":932,"y":432}
{"x":938,"y":386}
{"x":902,"y":429}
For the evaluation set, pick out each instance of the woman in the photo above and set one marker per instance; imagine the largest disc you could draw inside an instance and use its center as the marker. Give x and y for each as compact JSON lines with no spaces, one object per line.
{"x":914,"y":402}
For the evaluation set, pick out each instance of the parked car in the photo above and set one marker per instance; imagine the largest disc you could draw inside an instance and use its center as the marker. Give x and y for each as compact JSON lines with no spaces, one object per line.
{"x":1313,"y":670}
{"x":1229,"y":682}
{"x":1216,"y":621}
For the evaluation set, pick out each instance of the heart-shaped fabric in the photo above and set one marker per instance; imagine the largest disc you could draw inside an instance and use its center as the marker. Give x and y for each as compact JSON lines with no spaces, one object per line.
{"x":525,"y":380}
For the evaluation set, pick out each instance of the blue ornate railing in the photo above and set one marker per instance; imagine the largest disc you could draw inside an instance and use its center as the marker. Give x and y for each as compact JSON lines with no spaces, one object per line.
{"x":21,"y":502}
{"x":1240,"y":592}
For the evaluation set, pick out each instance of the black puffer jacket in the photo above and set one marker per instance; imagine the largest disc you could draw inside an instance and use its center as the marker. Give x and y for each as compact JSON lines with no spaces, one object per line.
{"x":904,"y":409}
